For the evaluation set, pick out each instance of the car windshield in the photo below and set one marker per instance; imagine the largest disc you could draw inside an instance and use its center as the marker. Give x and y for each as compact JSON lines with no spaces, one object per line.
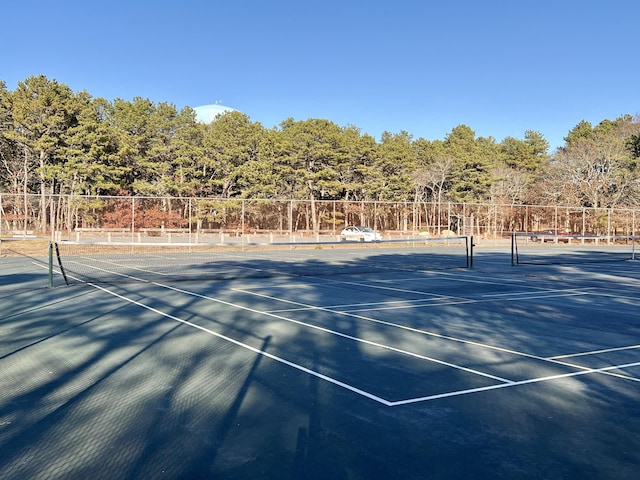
{"x":366,"y":229}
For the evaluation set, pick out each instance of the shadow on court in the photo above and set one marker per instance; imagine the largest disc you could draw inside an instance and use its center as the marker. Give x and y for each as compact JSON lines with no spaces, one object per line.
{"x":22,"y":273}
{"x":263,"y":378}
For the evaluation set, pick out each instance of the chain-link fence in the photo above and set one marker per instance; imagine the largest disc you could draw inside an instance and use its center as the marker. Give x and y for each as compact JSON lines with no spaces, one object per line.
{"x":71,"y":217}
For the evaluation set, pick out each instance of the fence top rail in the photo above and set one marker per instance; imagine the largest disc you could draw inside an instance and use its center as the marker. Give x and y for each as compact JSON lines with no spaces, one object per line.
{"x":293,"y":200}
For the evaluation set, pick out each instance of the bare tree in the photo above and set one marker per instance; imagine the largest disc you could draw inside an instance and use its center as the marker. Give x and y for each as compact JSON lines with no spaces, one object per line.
{"x":431,"y":181}
{"x":591,"y":172}
{"x":510,"y":185}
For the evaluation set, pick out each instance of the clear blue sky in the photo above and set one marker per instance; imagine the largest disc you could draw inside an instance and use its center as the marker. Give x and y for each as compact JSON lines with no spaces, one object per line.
{"x":500,"y":67}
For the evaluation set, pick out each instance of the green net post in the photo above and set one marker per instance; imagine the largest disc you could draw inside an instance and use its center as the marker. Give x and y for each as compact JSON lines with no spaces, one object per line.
{"x":50,"y":264}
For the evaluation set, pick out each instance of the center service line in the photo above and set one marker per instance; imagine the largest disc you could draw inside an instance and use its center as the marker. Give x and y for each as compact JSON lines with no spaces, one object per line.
{"x":335,"y":332}
{"x":437,"y":335}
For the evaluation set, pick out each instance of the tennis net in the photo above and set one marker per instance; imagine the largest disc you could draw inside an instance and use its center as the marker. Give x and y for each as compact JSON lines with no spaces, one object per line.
{"x":150,"y":262}
{"x":548,"y":249}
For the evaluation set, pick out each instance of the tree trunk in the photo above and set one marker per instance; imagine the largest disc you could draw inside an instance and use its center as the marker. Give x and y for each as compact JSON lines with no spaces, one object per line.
{"x":43,"y":195}
{"x":314,"y":216}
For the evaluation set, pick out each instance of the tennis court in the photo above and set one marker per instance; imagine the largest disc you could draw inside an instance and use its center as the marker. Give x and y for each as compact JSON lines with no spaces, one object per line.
{"x":348,"y":363}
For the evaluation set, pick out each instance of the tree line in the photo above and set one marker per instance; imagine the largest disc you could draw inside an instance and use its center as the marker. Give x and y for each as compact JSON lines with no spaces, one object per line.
{"x":57,"y":141}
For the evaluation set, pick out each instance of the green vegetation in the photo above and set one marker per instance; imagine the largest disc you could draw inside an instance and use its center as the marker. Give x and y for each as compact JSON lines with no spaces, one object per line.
{"x":56,"y":141}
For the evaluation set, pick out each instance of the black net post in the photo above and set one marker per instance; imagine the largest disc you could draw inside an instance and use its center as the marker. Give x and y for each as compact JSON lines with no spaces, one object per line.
{"x":64,"y":274}
{"x":50,"y":264}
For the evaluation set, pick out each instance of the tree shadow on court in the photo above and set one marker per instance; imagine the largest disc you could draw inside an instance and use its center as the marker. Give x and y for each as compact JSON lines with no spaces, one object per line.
{"x":144,"y":381}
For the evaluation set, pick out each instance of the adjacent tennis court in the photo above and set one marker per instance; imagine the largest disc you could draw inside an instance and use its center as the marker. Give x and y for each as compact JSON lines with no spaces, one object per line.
{"x":353,"y":362}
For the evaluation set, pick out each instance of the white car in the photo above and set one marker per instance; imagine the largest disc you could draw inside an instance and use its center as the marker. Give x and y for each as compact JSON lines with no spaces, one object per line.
{"x":360,"y":234}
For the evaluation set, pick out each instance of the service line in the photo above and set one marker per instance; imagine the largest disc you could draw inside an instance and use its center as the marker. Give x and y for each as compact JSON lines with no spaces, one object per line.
{"x":553,"y":360}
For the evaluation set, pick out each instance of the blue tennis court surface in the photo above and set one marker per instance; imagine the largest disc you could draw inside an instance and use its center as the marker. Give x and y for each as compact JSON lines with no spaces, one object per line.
{"x":499,"y":371}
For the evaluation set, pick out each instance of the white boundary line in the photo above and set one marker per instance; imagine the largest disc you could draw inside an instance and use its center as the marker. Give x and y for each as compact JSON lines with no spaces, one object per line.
{"x":335,"y":332}
{"x":461,"y":301}
{"x":118,"y":273}
{"x":433,"y":297}
{"x":514,"y":384}
{"x":248,"y":347}
{"x":529,"y":293}
{"x":507,"y":383}
{"x":438,"y":335}
{"x":595,"y":352}
{"x":371,"y":305}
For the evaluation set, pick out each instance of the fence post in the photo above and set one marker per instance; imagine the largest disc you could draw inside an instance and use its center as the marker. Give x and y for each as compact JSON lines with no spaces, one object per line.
{"x":133,"y":217}
{"x":333,"y":230}
{"x":242,"y":223}
{"x":290,"y":220}
{"x":189,"y":221}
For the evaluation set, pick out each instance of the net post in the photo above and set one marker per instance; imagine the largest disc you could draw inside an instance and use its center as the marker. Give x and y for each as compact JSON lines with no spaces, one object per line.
{"x":513,"y":243}
{"x":62,"y":271}
{"x":50,"y":264}
{"x":471,"y":245}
